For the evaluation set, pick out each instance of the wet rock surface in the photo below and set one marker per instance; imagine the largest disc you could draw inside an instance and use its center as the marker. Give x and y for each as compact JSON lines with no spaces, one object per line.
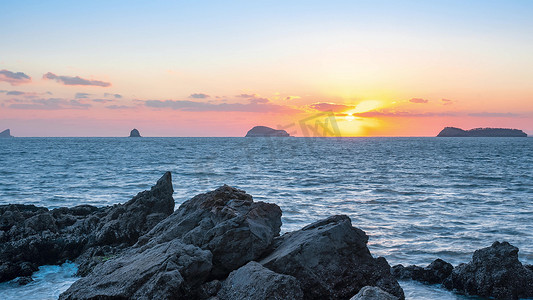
{"x":494,"y":271}
{"x":434,"y":273}
{"x":330,"y":260}
{"x":31,"y":236}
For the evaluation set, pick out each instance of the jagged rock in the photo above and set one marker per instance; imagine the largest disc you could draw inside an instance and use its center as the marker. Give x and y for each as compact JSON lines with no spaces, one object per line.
{"x":373,"y":293}
{"x":31,"y":236}
{"x":135,"y":133}
{"x":434,"y":273}
{"x":23,"y":280}
{"x":330,"y":259}
{"x":494,"y":271}
{"x":226,"y":222}
{"x":255,"y":282}
{"x":5,"y":134}
{"x":263,"y":131}
{"x":171,"y":270}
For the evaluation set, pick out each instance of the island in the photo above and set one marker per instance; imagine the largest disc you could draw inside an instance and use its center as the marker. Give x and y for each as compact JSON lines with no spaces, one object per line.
{"x":263,"y":131}
{"x":5,"y":134}
{"x":481,"y":132}
{"x":135,"y":133}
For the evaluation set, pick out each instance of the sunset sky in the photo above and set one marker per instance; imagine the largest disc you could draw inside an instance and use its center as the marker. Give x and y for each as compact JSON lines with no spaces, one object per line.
{"x":217,"y":68}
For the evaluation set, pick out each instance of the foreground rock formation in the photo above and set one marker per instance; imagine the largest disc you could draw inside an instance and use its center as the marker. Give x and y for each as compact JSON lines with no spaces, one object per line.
{"x":5,"y":134}
{"x":494,"y":271}
{"x":481,"y":132}
{"x":224,"y":245}
{"x":31,"y":236}
{"x":263,"y":131}
{"x":135,"y":133}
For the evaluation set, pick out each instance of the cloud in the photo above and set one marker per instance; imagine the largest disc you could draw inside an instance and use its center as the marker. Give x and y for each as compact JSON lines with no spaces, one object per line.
{"x":14,"y":78}
{"x":116,"y":96}
{"x":404,"y":114}
{"x":495,"y":115}
{"x":82,"y":95}
{"x":69,"y":80}
{"x":199,"y":96}
{"x":102,"y":100}
{"x":446,"y":101}
{"x":246,"y":96}
{"x":325,"y":106}
{"x":50,"y":104}
{"x":15,"y":93}
{"x":418,"y":100}
{"x":119,"y":107}
{"x":192,"y":106}
{"x":288,"y":98}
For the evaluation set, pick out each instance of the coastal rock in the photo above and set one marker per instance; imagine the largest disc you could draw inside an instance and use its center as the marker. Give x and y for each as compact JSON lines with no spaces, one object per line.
{"x":255,"y":282}
{"x":5,"y":134}
{"x":171,"y":270}
{"x":373,"y":293}
{"x":494,"y":271}
{"x":226,"y":222}
{"x":31,"y":236}
{"x":263,"y":131}
{"x":135,"y":133}
{"x":481,"y":132}
{"x":434,"y":273}
{"x":330,"y":260}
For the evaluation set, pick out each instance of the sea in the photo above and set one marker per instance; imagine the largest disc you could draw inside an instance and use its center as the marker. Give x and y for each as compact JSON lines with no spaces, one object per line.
{"x":418,"y":199}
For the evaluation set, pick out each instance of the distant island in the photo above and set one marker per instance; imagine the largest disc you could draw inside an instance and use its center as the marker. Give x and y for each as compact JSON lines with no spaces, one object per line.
{"x":263,"y":131}
{"x":481,"y":132}
{"x":135,"y":133}
{"x":5,"y":134}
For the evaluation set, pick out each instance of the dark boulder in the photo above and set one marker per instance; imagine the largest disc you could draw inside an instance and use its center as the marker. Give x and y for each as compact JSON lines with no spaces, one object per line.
{"x":135,"y":133}
{"x":255,"y":282}
{"x":226,"y":222}
{"x":373,"y":293}
{"x":171,"y":270}
{"x":330,"y":259}
{"x":434,"y":273}
{"x":494,"y":271}
{"x":31,"y":236}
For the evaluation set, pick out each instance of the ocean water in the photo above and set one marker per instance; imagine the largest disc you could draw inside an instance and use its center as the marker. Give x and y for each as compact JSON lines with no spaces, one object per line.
{"x":418,"y":199}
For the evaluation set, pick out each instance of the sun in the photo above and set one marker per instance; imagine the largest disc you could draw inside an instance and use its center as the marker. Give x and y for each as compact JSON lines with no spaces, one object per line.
{"x":349,"y":117}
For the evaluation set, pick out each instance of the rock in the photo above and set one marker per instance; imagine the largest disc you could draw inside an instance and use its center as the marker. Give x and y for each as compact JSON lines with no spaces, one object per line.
{"x":481,"y":132}
{"x":226,"y":222}
{"x":373,"y":293}
{"x":23,"y":280}
{"x":330,"y":260}
{"x":434,"y":273}
{"x":171,"y":270}
{"x":31,"y":236}
{"x":5,"y":134}
{"x":263,"y":131}
{"x":494,"y":271}
{"x":255,"y":282}
{"x":135,"y":133}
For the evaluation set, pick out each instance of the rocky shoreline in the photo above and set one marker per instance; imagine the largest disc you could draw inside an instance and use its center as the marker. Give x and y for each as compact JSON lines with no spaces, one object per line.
{"x":224,"y":245}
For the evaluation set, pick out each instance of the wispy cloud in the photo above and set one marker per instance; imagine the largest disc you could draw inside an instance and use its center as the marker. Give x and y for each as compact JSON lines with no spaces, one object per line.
{"x":258,"y":105}
{"x":405,"y":114}
{"x":76,"y":80}
{"x":326,"y":106}
{"x":119,"y":107}
{"x":116,"y":96}
{"x":15,"y":93}
{"x":446,"y":101}
{"x":198,"y":96}
{"x":495,"y":115}
{"x":418,"y":100}
{"x":82,"y":95}
{"x":50,"y":104}
{"x":14,"y":78}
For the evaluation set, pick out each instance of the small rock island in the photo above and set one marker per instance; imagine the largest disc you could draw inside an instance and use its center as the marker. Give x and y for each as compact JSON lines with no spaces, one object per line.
{"x":481,"y":132}
{"x":263,"y":131}
{"x":135,"y":133}
{"x":5,"y":134}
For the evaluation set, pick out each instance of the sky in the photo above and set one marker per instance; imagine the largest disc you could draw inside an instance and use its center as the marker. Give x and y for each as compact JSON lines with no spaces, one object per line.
{"x":218,"y":68}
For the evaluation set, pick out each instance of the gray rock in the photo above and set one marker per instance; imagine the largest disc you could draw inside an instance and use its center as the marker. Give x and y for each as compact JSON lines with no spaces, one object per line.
{"x":5,"y":134}
{"x":373,"y":293}
{"x":434,"y":273}
{"x":226,"y":222}
{"x":330,"y":259}
{"x":263,"y":131}
{"x":171,"y":270}
{"x":255,"y":282}
{"x":31,"y":236}
{"x":135,"y":133}
{"x":494,"y":271}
